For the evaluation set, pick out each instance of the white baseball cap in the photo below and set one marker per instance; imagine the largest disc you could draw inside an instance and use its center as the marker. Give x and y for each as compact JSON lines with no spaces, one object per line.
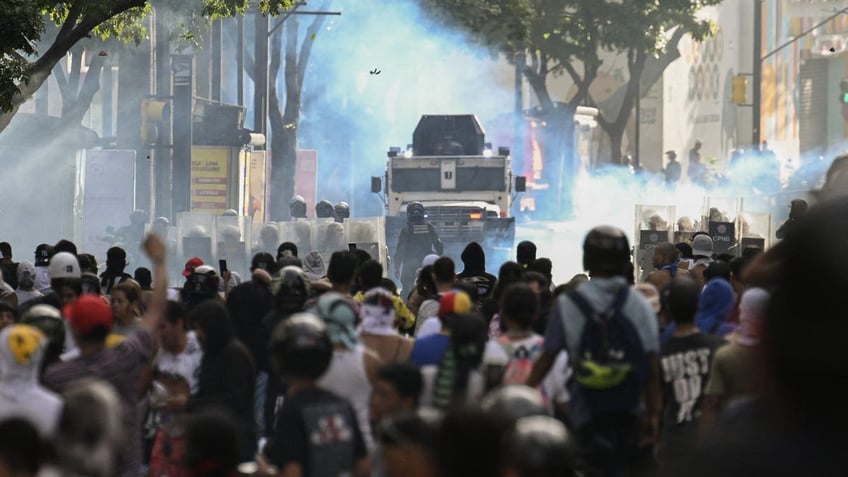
{"x":64,"y":265}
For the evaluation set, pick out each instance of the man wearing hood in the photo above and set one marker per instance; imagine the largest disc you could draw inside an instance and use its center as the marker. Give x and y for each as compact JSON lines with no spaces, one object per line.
{"x":22,"y":348}
{"x":474,"y":259}
{"x":116,"y":261}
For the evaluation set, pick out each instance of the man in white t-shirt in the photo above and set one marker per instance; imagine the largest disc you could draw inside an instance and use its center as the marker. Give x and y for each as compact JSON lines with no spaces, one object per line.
{"x":176,"y":372}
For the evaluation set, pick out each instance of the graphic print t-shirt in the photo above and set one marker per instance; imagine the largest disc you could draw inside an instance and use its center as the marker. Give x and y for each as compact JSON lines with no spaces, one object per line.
{"x":319,"y":431}
{"x":685,"y":366}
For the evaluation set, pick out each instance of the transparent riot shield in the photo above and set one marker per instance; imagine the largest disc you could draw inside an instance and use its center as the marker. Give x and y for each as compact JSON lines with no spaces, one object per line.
{"x":298,"y":232}
{"x":233,"y":240}
{"x":195,"y":232}
{"x":688,"y":222}
{"x":369,"y":234}
{"x":653,"y":226}
{"x":720,"y":214}
{"x":328,"y":236}
{"x":755,"y":231}
{"x":265,"y":238}
{"x":168,"y":234}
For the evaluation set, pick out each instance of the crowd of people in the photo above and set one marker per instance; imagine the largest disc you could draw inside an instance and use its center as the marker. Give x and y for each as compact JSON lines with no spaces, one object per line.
{"x":713,"y":365}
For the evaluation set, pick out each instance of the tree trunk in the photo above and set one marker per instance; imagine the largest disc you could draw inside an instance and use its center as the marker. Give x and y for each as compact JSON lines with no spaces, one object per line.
{"x":284,"y":123}
{"x":76,"y":101}
{"x":284,"y":126}
{"x":622,"y":101}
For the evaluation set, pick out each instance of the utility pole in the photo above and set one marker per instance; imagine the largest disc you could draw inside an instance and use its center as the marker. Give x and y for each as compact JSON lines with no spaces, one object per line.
{"x":162,"y":153}
{"x":183,"y":71}
{"x":260,"y":89}
{"x":520,"y":60}
{"x":758,"y":72}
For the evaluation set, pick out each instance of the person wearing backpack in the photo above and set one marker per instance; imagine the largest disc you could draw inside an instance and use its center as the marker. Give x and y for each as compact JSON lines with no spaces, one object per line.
{"x":509,"y":358}
{"x":612,"y":338}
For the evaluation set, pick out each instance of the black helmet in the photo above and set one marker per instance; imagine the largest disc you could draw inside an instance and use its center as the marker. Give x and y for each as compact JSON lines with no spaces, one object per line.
{"x":538,"y":446}
{"x":301,"y":347}
{"x":606,"y":250}
{"x":324,"y":209}
{"x":297,"y":207}
{"x":342,"y":210}
{"x":161,"y":221}
{"x":415,"y":211}
{"x":512,"y":402}
{"x":200,"y":285}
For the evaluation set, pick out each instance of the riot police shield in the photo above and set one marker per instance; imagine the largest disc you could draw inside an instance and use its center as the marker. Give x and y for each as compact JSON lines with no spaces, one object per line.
{"x":168,"y":234}
{"x":328,"y":236}
{"x":652,"y":227}
{"x":195,"y":232}
{"x":368,"y":234}
{"x":233,"y":239}
{"x":298,"y":232}
{"x":266,"y":238}
{"x":721,"y":214}
{"x":688,"y":222}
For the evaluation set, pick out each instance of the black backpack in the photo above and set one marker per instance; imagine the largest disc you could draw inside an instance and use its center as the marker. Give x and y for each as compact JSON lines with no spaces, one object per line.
{"x":610,"y":365}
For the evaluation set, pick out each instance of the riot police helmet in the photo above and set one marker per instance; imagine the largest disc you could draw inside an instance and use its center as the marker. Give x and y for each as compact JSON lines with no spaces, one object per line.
{"x":161,"y":221}
{"x":230,"y":213}
{"x":297,"y":207}
{"x":301,"y":347}
{"x":341,"y":210}
{"x":606,"y":251}
{"x":324,"y":209}
{"x":415,"y":211}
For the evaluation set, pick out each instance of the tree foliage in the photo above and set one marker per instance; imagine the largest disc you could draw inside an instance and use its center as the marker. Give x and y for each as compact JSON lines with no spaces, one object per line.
{"x":555,"y":37}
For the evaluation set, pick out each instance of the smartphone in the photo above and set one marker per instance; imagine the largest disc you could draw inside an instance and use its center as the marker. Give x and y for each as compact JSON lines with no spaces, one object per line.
{"x":351,"y":246}
{"x":222,"y":266}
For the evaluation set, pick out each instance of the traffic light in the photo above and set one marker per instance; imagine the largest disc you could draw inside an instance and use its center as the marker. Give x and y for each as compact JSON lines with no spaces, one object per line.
{"x":740,"y":90}
{"x":153,"y":112}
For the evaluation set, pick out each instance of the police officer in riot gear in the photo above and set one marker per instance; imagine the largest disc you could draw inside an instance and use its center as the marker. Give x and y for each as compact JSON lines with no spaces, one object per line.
{"x":417,"y":240}
{"x":297,"y":207}
{"x":341,"y":211}
{"x":324,"y":210}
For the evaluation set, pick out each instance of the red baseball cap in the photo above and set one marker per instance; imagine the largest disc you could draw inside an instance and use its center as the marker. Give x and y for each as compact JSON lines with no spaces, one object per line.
{"x":86,"y":312}
{"x":191,"y":264}
{"x":456,"y":302}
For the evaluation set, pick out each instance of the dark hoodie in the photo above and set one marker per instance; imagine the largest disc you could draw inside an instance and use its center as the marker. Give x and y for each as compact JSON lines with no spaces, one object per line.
{"x":227,"y":376}
{"x":474,"y":259}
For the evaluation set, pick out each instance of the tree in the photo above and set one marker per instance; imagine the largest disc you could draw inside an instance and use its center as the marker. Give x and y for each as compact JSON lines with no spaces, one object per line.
{"x":555,"y":37}
{"x":292,"y":55}
{"x":23,"y":69}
